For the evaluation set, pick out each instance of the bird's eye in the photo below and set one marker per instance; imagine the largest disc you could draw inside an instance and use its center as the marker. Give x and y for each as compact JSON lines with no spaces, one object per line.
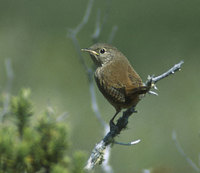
{"x":102,"y":51}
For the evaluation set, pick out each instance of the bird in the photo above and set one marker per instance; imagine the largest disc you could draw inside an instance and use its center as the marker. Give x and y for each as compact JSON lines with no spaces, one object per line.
{"x":116,"y":79}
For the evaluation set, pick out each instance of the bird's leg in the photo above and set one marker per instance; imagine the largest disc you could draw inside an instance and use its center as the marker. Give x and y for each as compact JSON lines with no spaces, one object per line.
{"x":112,"y":124}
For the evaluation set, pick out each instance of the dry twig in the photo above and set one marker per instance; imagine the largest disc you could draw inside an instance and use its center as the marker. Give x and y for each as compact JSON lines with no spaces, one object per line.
{"x":10,"y":76}
{"x":181,"y":151}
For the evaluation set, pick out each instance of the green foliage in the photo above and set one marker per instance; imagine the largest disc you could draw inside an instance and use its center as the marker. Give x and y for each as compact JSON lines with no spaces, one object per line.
{"x":30,"y":144}
{"x":79,"y":159}
{"x":21,"y":108}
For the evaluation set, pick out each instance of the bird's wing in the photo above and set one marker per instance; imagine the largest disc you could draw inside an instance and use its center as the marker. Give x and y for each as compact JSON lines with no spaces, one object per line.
{"x":117,"y":83}
{"x":116,"y":93}
{"x":110,"y":86}
{"x":112,"y":91}
{"x":135,"y":85}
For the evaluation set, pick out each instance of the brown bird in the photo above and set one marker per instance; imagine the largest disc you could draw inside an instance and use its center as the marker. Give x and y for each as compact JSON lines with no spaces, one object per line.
{"x":115,"y":77}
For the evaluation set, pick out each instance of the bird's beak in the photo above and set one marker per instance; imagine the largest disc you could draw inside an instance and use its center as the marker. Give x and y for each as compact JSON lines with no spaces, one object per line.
{"x":90,"y":51}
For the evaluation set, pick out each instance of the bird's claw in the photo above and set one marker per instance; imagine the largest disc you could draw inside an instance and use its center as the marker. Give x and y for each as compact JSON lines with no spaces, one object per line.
{"x":153,"y":93}
{"x":112,"y":125}
{"x":151,"y":84}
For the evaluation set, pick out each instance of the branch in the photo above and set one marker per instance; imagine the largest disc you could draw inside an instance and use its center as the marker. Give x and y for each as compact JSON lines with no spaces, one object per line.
{"x":97,"y":155}
{"x":100,"y":25}
{"x":97,"y":31}
{"x":6,"y":102}
{"x":181,"y":151}
{"x":153,"y":80}
{"x":94,"y":104}
{"x":85,"y":18}
{"x":128,"y":144}
{"x":72,"y":33}
{"x":112,"y":34}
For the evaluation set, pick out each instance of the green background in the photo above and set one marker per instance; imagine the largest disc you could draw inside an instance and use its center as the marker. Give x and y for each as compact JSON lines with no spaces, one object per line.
{"x":153,"y":34}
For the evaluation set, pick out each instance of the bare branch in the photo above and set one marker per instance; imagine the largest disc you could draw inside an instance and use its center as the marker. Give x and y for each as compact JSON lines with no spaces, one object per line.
{"x":97,"y":155}
{"x":112,"y":34}
{"x":97,"y":30}
{"x":146,"y":171}
{"x":95,"y":107}
{"x":72,"y":33}
{"x":128,"y":144}
{"x":62,"y":117}
{"x":153,"y":80}
{"x":105,"y":165}
{"x":10,"y":76}
{"x":181,"y":151}
{"x":85,"y":18}
{"x":199,"y":159}
{"x":100,"y":25}
{"x":78,"y":50}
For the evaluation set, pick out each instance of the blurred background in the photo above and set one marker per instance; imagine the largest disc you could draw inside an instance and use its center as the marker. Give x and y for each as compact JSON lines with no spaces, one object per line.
{"x":154,"y":35}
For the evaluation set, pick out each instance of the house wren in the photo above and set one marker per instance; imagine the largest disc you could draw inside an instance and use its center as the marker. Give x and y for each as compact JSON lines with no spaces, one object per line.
{"x":115,"y":77}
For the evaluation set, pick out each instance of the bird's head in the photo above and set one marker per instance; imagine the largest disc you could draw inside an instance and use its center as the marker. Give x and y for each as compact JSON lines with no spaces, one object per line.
{"x":101,"y":53}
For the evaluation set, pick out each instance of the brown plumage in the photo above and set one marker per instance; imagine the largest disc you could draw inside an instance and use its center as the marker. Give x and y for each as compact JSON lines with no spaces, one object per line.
{"x":115,"y":77}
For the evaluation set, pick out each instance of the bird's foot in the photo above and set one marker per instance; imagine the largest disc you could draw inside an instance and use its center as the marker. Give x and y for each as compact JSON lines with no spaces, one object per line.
{"x":113,"y":126}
